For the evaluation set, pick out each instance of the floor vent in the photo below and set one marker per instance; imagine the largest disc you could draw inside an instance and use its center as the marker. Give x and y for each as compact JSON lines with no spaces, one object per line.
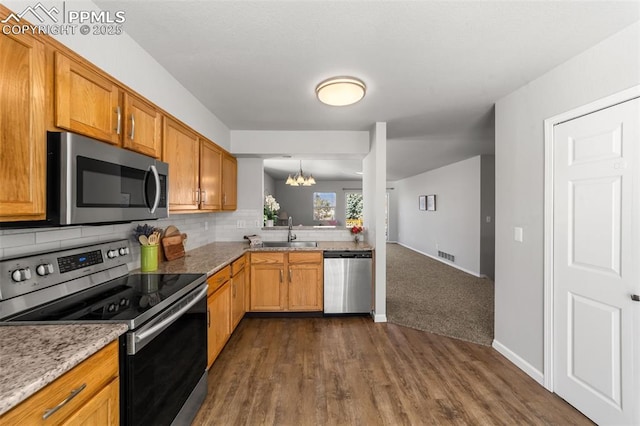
{"x":447,"y":256}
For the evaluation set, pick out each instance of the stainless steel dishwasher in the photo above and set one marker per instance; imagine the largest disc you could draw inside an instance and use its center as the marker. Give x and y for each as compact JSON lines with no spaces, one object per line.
{"x":347,"y":282}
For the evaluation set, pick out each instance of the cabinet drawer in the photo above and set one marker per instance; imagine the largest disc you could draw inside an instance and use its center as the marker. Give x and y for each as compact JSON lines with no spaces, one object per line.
{"x":237,"y":265}
{"x":305,"y":257}
{"x":217,"y":279}
{"x":94,"y":373}
{"x":267,"y":257}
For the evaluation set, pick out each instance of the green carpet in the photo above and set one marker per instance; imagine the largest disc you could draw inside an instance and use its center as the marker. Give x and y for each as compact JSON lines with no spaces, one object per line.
{"x":428,"y":295}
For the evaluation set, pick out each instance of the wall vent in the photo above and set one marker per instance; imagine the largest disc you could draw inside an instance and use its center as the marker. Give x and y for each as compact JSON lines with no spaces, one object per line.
{"x":447,"y":256}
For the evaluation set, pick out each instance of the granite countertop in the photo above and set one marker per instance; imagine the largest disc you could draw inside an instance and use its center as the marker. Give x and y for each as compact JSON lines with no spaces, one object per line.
{"x":32,"y":356}
{"x":211,"y":258}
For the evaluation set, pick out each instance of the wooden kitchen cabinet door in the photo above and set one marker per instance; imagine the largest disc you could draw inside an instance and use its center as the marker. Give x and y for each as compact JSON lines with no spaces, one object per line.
{"x":219,"y":321}
{"x":86,"y":102}
{"x":237,"y":297}
{"x":142,"y":127}
{"x":23,"y":144}
{"x":305,"y":281}
{"x":181,"y":149}
{"x":267,"y":282}
{"x":210,"y":176}
{"x":102,"y":409}
{"x":229,"y":182}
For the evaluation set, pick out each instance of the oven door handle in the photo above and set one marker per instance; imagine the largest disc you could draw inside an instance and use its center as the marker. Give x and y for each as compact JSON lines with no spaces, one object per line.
{"x":139,"y":337}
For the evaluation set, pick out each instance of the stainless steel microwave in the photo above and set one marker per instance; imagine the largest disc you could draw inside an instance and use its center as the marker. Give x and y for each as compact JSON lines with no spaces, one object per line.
{"x":91,"y":182}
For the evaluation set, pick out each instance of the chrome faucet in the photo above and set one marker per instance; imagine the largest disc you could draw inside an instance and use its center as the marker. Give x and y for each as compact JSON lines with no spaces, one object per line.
{"x":290,"y":236}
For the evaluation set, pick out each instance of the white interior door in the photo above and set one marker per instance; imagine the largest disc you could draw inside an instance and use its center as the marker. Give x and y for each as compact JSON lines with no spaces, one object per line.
{"x":596,"y":255}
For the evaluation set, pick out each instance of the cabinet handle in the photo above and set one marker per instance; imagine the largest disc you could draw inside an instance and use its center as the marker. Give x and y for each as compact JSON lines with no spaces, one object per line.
{"x":208,"y":318}
{"x":290,"y":279}
{"x":133,"y":126}
{"x":281,"y":278}
{"x":118,"y":124}
{"x":224,"y":199}
{"x":197,"y":195}
{"x":203,"y":196}
{"x":48,"y":412}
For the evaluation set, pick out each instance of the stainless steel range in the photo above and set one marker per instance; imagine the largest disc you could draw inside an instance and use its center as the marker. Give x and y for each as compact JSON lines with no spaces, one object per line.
{"x":162,"y":356}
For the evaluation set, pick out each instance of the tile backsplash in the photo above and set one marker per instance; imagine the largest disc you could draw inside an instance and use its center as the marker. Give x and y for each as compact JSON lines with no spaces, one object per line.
{"x":201,"y":229}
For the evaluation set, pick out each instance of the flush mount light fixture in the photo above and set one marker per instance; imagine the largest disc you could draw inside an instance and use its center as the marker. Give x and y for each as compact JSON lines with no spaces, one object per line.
{"x":300,"y":179}
{"x":341,"y":91}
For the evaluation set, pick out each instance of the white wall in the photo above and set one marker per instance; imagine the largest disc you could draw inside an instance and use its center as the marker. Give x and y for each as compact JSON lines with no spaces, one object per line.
{"x":487,"y":215}
{"x":269,"y":184}
{"x":606,"y":68}
{"x":333,"y":144}
{"x":374,"y":168}
{"x":393,"y":211}
{"x":454,"y":227}
{"x":297,"y":201}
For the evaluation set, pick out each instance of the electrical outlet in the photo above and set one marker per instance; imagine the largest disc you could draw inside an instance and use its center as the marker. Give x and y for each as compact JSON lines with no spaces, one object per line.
{"x":257,"y":224}
{"x":240,"y":224}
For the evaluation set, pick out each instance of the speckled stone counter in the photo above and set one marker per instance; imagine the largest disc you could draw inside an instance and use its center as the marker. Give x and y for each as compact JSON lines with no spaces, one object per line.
{"x":211,"y":258}
{"x":32,"y":356}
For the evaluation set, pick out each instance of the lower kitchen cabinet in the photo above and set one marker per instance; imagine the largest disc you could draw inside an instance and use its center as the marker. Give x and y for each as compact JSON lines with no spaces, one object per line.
{"x":283,"y":281}
{"x":89,"y":394}
{"x":218,"y":314}
{"x":305,"y":281}
{"x":267,"y":282}
{"x":238,"y":285}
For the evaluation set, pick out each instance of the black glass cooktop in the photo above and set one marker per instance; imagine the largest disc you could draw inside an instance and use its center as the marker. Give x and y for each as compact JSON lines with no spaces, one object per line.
{"x":120,"y":300}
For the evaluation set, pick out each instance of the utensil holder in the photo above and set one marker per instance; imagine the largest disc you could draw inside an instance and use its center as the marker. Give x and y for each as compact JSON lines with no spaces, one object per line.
{"x":148,"y":258}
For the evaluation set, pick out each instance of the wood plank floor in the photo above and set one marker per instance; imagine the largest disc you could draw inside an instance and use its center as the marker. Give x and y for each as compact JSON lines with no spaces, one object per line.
{"x":351,"y":371}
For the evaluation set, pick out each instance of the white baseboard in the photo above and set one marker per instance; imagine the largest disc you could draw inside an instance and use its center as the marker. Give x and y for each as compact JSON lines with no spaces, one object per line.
{"x":523,"y":365}
{"x":379,"y":317}
{"x":475,"y":274}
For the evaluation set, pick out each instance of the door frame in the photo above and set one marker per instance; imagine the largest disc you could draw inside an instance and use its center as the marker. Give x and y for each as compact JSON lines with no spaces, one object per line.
{"x":617,"y":98}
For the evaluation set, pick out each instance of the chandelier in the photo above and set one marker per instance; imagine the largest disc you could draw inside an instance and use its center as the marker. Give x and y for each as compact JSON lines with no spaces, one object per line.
{"x":300,"y":179}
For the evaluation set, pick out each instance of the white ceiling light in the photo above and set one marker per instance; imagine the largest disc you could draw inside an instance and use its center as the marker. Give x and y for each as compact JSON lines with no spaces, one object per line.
{"x":341,"y":91}
{"x":299,"y":179}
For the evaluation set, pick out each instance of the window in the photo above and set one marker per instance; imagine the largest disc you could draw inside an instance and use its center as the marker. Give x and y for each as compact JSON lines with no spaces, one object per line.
{"x":324,"y":206}
{"x":353,"y":210}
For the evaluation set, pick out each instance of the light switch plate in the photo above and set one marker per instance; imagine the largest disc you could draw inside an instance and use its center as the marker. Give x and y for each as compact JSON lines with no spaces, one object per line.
{"x":517,"y":234}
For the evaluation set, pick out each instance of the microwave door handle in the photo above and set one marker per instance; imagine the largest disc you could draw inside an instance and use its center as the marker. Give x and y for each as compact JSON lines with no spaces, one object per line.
{"x":156,"y":177}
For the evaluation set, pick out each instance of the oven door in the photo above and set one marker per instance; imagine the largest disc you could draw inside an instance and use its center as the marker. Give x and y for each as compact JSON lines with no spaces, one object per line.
{"x":164,"y":361}
{"x":100,"y":183}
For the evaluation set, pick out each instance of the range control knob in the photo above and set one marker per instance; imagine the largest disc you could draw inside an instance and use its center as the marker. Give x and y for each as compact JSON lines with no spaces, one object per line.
{"x":44,"y":269}
{"x":123,"y":251}
{"x":112,"y":253}
{"x":20,"y":275}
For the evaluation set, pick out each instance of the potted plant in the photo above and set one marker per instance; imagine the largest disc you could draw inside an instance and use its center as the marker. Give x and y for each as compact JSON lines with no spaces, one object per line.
{"x":271,"y":208}
{"x":356,"y":231}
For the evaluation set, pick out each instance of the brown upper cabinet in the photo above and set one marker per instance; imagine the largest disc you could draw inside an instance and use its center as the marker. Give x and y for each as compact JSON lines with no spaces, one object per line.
{"x":201,"y":175}
{"x":90,"y":104}
{"x":210,"y":176}
{"x":86,"y":102}
{"x":181,"y":149}
{"x":22,"y":128}
{"x":229,"y":182}
{"x":142,"y":126}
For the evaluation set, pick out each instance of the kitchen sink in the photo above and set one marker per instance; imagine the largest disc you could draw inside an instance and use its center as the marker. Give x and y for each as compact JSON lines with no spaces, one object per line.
{"x":289,"y":244}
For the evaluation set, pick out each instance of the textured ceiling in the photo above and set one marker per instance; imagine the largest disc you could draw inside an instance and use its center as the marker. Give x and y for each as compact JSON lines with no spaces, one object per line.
{"x":433,"y":68}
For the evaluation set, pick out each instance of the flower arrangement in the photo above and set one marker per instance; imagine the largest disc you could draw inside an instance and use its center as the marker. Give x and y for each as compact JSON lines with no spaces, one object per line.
{"x":355,"y":231}
{"x":271,"y":207}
